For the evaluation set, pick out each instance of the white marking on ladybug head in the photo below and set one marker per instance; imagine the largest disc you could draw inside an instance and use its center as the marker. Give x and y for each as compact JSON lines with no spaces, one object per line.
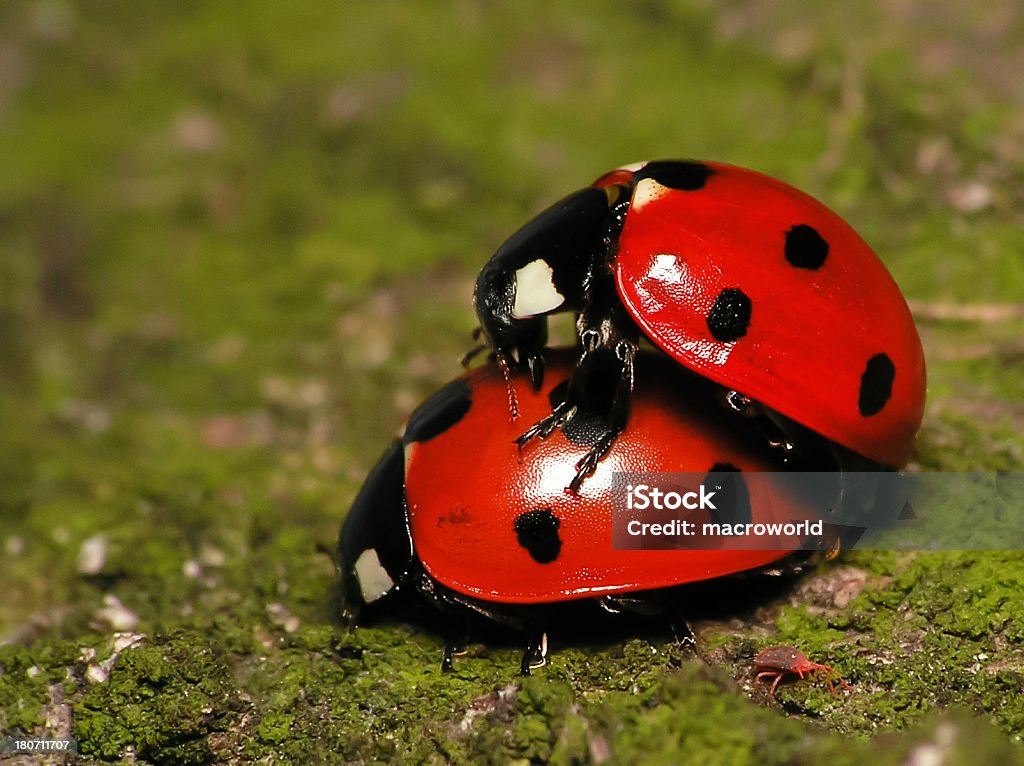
{"x":633,"y":166}
{"x":374,"y":580}
{"x":646,"y":191}
{"x":535,"y":290}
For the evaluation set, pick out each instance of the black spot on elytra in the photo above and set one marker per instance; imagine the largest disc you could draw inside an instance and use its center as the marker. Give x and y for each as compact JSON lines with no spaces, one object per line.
{"x":730,"y":315}
{"x":537,"y":531}
{"x":439,"y":413}
{"x":683,"y":175}
{"x":876,"y":384}
{"x":805,"y":247}
{"x":732,"y":498}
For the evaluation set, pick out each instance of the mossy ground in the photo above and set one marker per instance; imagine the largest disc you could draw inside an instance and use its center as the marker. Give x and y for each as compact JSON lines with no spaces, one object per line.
{"x":237,"y":243}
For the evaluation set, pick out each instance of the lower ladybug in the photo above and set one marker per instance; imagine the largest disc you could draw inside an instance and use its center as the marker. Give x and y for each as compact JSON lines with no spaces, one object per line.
{"x":458,"y":515}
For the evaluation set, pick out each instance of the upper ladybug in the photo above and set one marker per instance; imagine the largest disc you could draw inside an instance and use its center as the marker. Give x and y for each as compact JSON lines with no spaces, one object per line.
{"x":737,"y":276}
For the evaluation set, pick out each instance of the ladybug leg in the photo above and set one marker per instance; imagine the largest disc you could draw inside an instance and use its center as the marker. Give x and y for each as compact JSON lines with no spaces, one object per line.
{"x":474,"y":352}
{"x":535,"y":366}
{"x":588,"y":463}
{"x":684,"y":636}
{"x":682,"y":632}
{"x":527,"y":351}
{"x":590,"y":364}
{"x":771,"y":430}
{"x":559,"y":416}
{"x":457,"y":645}
{"x":451,"y":649}
{"x":601,"y":385}
{"x":466,"y":359}
{"x":616,"y":418}
{"x":535,"y":655}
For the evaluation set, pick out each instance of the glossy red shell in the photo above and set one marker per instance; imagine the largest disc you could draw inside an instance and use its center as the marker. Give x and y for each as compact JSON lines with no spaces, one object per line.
{"x":467,"y":485}
{"x":811,"y":331}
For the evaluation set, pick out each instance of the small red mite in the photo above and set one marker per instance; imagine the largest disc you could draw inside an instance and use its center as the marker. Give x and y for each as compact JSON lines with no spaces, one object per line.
{"x":779,"y":661}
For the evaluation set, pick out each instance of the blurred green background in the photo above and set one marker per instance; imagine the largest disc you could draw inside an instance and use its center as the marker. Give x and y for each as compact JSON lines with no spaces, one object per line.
{"x":237,"y":245}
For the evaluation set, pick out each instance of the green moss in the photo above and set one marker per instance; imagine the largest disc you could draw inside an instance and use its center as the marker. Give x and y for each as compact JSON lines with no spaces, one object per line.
{"x":162,"y":701}
{"x":275,"y":728}
{"x":540,"y":714}
{"x":942,"y":631}
{"x":691,"y":715}
{"x":35,"y":676}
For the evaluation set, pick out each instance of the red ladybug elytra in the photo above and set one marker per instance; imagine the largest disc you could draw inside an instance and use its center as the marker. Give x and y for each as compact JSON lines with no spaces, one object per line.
{"x":738,"y":277}
{"x":459,"y":515}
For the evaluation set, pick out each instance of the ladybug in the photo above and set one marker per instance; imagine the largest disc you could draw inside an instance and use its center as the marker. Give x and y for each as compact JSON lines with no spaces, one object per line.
{"x":736,"y":276}
{"x":458,"y":516}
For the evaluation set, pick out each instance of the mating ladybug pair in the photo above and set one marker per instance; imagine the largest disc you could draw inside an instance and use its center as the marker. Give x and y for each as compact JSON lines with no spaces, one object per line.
{"x":780,"y":342}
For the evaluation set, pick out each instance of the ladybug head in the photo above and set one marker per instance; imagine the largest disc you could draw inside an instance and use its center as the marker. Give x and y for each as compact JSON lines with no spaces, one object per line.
{"x":375,"y":550}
